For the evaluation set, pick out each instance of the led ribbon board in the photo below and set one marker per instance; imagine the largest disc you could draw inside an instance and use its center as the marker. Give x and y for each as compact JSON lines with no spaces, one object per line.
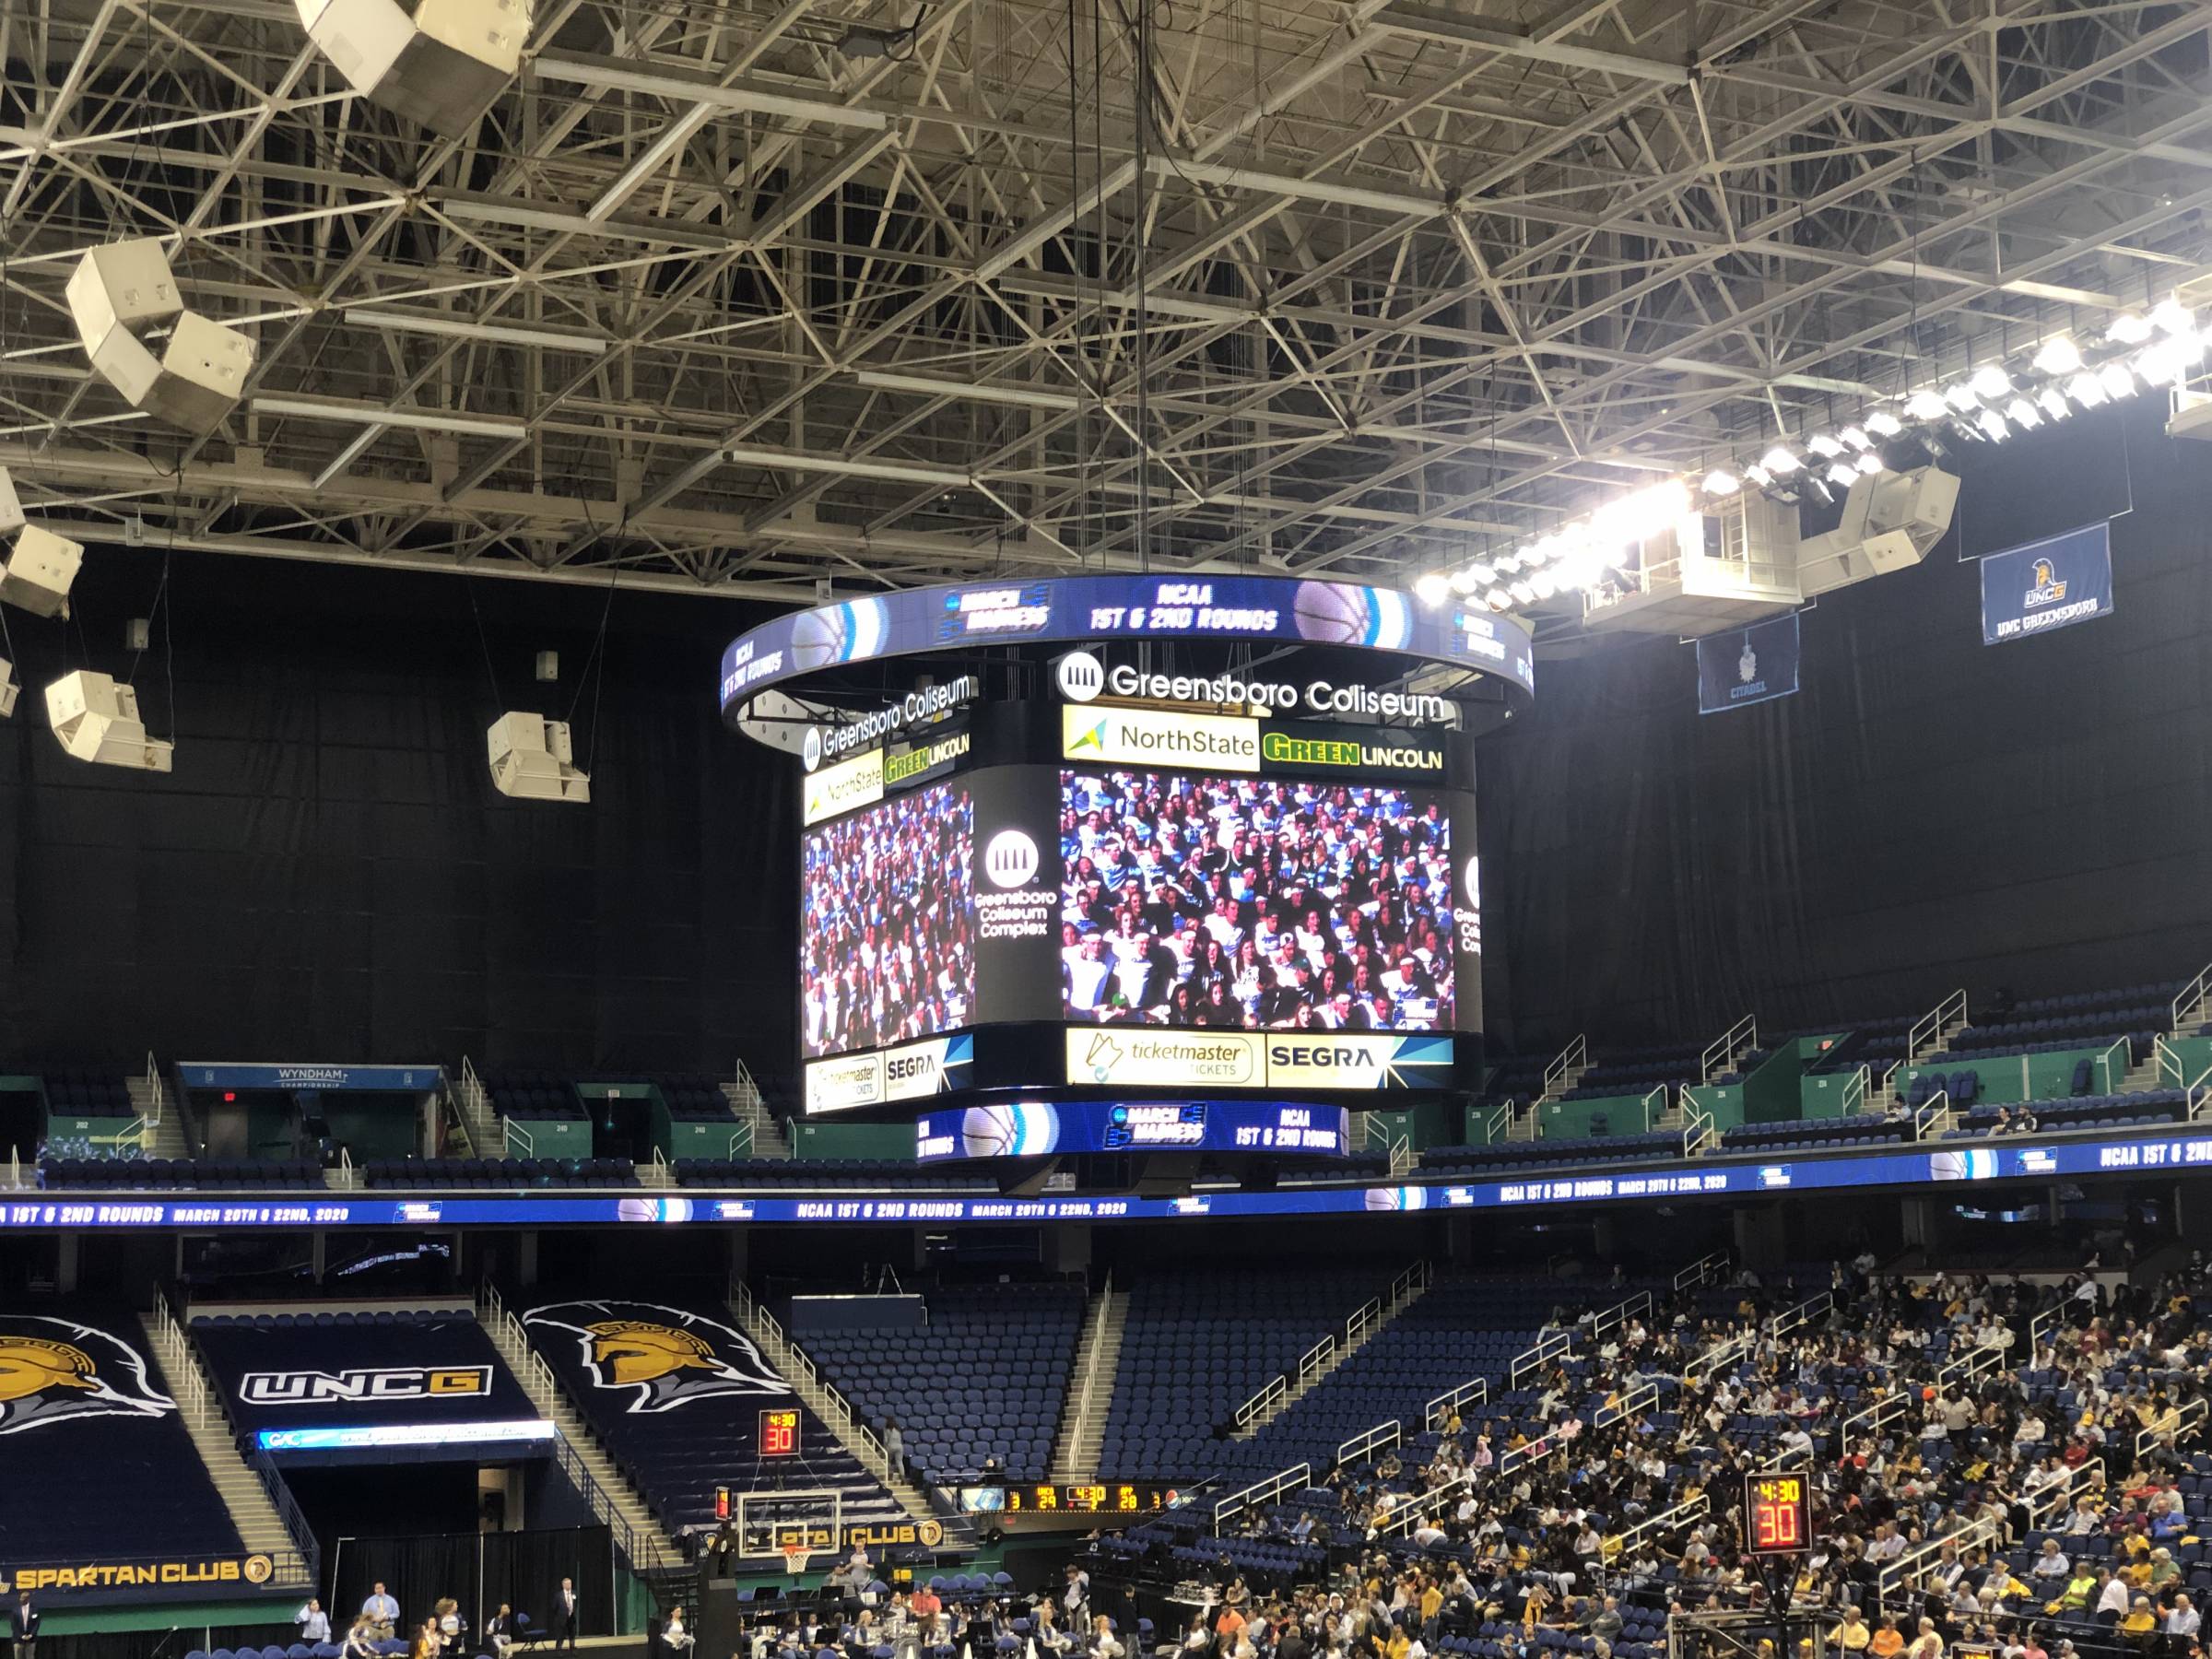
{"x":1227,"y":609}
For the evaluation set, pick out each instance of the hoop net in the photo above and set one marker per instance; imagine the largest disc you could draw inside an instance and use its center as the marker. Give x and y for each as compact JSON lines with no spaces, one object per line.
{"x":795,"y":1556}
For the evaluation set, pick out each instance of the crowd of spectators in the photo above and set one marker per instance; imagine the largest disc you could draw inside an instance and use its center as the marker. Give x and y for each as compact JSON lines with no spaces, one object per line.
{"x":1255,"y":903}
{"x":1995,"y":1469}
{"x":886,"y":936}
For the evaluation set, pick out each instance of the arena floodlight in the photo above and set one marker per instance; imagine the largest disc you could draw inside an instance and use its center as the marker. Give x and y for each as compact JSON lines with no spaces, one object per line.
{"x":39,"y":571}
{"x":1432,"y":589}
{"x":1722,"y":482}
{"x":2054,"y":401}
{"x":440,"y":63}
{"x":2086,"y":389}
{"x":94,"y":719}
{"x":1842,"y":475}
{"x":2116,"y":380}
{"x":532,"y":759}
{"x":1883,"y":424}
{"x":1990,"y":383}
{"x":1961,"y":397}
{"x":1822,"y":445}
{"x":2129,"y":328}
{"x":1926,"y":404}
{"x":1853,"y":438}
{"x":1993,"y":426}
{"x":120,"y":296}
{"x":1870,"y":461}
{"x":2058,"y":357}
{"x":2023,"y":414}
{"x":1778,"y":461}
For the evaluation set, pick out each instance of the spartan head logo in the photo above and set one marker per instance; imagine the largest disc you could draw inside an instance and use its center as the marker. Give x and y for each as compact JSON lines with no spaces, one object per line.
{"x":669,"y":1358}
{"x":54,"y":1369}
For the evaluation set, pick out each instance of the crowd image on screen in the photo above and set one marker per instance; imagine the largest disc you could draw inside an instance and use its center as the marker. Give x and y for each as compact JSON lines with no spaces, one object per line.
{"x":1254,"y":903}
{"x":886,"y":926}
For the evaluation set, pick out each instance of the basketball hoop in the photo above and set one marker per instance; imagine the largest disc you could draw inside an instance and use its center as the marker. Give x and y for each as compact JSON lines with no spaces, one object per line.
{"x":795,"y":1556}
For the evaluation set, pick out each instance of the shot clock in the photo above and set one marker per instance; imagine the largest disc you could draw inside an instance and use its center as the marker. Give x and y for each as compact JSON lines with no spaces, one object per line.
{"x":779,"y":1433}
{"x":1778,"y":1515}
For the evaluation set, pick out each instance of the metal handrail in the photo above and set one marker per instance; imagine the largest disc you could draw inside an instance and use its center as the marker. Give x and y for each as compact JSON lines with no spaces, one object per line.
{"x":1476,"y":1389}
{"x":1742,"y":1034}
{"x":1856,"y":1088}
{"x":1382,"y":1437}
{"x":1875,"y":1417}
{"x":1708,"y":1266}
{"x":2110,"y":1086}
{"x":154,"y":1093}
{"x":2186,"y":1420}
{"x":644,"y":1554}
{"x":2191,"y":994}
{"x":1934,"y":1116}
{"x":1697,"y":1130}
{"x":1899,"y":1572}
{"x":1297,"y":1477}
{"x":1804,"y":1314}
{"x":307,"y":1554}
{"x":1402,"y":1518}
{"x":1575,"y":1054}
{"x":1979,"y":1357}
{"x":1548,"y":1346}
{"x":1091,"y":1370}
{"x":184,"y":1377}
{"x":1619,"y":1543}
{"x":2200,"y":1096}
{"x":2060,"y":1494}
{"x":765,"y":1329}
{"x":1651,"y":1118}
{"x":1726,"y":1352}
{"x":2040,"y":1326}
{"x":1635,"y":1400}
{"x":1272,"y":1393}
{"x":1496,"y":1123}
{"x":1621,"y":1312}
{"x":1930,"y":1024}
{"x":1514,"y":1457}
{"x":1315,"y":1359}
{"x":345,"y":1172}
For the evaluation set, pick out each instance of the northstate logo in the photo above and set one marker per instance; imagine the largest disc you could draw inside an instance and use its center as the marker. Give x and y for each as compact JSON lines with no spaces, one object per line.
{"x":662,"y":1357}
{"x":53,"y":1371}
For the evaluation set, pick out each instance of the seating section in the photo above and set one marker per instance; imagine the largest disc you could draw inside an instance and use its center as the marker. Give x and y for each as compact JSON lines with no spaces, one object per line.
{"x":1198,"y":1346}
{"x":987,"y":1377}
{"x":695,"y":1099}
{"x":2020,"y":1032}
{"x":1637,"y":1071}
{"x":677,"y":1454}
{"x":204,"y":1174}
{"x":821,"y":1173}
{"x":1501,"y":1156}
{"x":444,"y":1174}
{"x":80,"y":1091}
{"x":533,"y":1095}
{"x":2152,"y":1106}
{"x":98,"y":1477}
{"x":1460,"y":1329}
{"x":1816,"y":1134}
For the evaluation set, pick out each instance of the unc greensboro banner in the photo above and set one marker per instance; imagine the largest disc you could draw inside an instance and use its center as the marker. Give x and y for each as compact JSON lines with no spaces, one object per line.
{"x":1747,"y":665}
{"x":2046,"y":584}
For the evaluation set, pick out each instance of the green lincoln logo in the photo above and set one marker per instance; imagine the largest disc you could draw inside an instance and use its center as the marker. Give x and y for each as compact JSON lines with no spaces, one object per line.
{"x":1308,"y":752}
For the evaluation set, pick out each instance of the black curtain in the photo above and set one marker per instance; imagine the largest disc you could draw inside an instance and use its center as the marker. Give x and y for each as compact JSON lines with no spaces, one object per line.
{"x":1927,"y":813}
{"x":479,"y":1570}
{"x":328,"y":872}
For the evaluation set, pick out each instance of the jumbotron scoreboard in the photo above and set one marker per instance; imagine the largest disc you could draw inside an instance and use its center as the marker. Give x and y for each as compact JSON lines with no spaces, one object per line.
{"x":1130,"y":865}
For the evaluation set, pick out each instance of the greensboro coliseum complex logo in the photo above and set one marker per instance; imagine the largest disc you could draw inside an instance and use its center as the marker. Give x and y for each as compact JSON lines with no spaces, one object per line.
{"x":662,"y":1357}
{"x":54,"y":1371}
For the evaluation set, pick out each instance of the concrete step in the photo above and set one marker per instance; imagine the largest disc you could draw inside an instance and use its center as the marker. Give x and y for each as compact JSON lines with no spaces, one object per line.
{"x":1082,"y":1431}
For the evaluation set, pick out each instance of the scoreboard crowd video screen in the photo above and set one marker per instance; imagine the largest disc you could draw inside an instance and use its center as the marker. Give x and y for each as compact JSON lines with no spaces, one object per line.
{"x":1255,"y":903}
{"x":887,"y":923}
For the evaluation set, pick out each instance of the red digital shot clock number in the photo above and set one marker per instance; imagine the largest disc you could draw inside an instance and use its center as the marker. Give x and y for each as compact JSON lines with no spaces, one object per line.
{"x":1777,"y":1514}
{"x":779,"y":1433}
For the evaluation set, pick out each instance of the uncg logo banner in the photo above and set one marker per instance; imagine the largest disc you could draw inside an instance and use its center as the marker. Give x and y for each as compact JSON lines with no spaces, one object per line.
{"x":1747,"y":665}
{"x":2054,"y":583}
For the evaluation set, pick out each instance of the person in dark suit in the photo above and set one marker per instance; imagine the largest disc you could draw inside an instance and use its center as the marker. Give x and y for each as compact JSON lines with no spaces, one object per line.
{"x":26,"y":1625}
{"x":566,"y":1606}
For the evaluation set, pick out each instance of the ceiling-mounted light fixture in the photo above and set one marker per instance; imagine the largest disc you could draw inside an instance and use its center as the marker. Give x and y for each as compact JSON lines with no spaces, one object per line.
{"x":119,"y":295}
{"x":440,"y":63}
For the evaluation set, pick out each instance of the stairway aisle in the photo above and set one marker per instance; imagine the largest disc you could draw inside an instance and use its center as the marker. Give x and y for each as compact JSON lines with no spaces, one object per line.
{"x":1083,"y":1418}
